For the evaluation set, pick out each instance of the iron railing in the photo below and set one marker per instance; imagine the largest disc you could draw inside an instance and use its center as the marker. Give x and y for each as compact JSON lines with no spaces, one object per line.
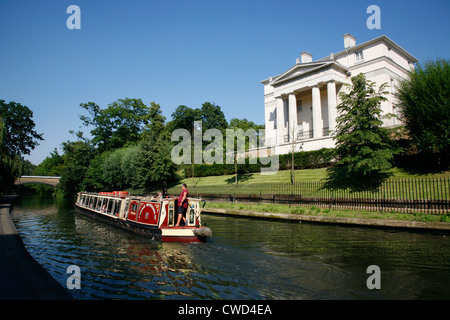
{"x":427,"y":195}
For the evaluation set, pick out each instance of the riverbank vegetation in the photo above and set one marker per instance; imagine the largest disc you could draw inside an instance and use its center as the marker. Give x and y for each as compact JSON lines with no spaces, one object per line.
{"x":128,"y":144}
{"x":315,"y":211}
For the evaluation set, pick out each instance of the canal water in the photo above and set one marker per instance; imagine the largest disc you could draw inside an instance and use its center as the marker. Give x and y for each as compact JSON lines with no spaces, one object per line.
{"x":246,"y":258}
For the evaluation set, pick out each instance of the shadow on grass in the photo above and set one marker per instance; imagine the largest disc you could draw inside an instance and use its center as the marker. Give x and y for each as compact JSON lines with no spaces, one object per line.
{"x":341,"y":178}
{"x":420,"y":165}
{"x":240,"y":178}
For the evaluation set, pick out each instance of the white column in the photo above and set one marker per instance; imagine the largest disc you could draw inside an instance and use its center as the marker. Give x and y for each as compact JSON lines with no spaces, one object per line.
{"x":317,"y":113}
{"x":292,"y":117}
{"x":280,"y":121}
{"x":332,"y":103}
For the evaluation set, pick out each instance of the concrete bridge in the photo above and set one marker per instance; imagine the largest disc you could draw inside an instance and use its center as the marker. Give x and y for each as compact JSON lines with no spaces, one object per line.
{"x":51,"y":181}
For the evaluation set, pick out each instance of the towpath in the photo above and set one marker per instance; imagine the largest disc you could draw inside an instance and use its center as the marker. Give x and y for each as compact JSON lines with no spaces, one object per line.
{"x":334,"y":220}
{"x":21,"y":277}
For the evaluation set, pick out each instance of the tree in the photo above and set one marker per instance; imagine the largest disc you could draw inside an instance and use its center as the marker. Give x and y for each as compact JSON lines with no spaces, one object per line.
{"x":50,"y":166}
{"x":17,"y":138}
{"x":244,"y":125}
{"x":364,"y":149}
{"x":19,"y":134}
{"x":212,"y":117}
{"x":7,"y":164}
{"x":113,"y":173}
{"x":155,"y":163}
{"x":121,"y":123}
{"x":94,"y":179}
{"x":184,"y":117}
{"x":424,"y":106}
{"x":77,"y":157}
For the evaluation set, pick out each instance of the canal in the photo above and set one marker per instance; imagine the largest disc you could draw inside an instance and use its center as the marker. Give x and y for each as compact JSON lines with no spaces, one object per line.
{"x":246,"y":258}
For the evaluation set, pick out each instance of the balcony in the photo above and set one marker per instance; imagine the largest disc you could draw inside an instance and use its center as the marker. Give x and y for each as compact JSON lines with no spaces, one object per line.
{"x":302,"y":135}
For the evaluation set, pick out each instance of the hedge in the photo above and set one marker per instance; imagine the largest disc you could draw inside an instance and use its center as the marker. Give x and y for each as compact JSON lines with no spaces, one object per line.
{"x":303,"y":160}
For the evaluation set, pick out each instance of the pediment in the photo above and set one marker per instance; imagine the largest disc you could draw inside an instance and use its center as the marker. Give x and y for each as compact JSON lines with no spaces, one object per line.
{"x":300,"y":70}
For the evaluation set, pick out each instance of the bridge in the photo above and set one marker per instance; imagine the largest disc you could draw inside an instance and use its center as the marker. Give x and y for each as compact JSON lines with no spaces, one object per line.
{"x":51,"y":181}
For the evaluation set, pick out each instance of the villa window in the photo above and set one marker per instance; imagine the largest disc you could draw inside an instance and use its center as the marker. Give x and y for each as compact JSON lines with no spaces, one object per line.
{"x":359,"y":56}
{"x":299,"y":106}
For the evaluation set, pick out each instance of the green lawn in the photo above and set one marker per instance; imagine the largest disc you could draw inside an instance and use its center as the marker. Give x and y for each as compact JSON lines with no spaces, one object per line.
{"x":257,"y":183}
{"x":227,"y":181}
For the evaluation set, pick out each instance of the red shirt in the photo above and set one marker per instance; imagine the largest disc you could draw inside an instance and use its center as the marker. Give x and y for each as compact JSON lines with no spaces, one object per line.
{"x":185,"y":202}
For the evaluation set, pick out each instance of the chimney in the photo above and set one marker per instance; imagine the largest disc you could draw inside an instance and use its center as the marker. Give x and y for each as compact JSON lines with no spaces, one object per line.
{"x":305,"y":57}
{"x":349,"y":40}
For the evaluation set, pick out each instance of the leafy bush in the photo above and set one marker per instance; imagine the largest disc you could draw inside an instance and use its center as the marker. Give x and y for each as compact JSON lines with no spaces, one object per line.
{"x":424,"y":104}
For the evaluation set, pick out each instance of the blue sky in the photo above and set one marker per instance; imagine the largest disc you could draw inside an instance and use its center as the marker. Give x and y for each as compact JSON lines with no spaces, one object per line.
{"x":183,"y":52}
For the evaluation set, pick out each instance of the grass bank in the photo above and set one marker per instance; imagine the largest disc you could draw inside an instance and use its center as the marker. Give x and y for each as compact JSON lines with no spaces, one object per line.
{"x":255,"y":183}
{"x":314,"y":211}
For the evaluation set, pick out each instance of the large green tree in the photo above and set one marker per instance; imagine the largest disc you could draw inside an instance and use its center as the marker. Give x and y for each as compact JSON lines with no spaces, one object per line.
{"x":17,"y":138}
{"x":424,"y":105}
{"x":119,"y":124}
{"x":77,"y":157}
{"x":19,"y":134}
{"x":364,"y":150}
{"x":210,"y":115}
{"x":155,"y":163}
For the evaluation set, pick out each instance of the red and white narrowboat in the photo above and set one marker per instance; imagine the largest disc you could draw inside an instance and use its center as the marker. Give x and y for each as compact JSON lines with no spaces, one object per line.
{"x":149,"y":216}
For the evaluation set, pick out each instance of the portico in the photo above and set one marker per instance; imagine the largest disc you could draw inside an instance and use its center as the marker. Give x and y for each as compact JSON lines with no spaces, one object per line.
{"x":307,"y":109}
{"x":296,"y":127}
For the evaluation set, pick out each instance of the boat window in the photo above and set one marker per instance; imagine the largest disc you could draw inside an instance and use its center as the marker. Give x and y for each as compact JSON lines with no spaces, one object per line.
{"x":98,"y":204}
{"x":117,"y":207}
{"x":110,"y":206}
{"x":125,"y":210}
{"x":104,"y":203}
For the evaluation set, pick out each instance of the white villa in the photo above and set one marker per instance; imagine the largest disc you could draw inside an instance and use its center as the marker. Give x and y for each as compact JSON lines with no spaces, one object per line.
{"x":300,"y":103}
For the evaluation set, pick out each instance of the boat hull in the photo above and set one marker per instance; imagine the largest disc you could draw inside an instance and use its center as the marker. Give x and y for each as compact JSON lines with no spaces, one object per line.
{"x":175,"y":234}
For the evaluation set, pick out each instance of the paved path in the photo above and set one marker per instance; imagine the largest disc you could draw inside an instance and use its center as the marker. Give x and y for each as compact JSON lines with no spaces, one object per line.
{"x":21,"y":277}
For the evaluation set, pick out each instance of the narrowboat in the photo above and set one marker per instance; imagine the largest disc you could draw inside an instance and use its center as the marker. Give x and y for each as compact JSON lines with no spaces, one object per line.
{"x":154,"y":217}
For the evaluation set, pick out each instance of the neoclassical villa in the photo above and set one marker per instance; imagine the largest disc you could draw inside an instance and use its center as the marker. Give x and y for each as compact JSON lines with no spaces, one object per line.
{"x":300,"y":103}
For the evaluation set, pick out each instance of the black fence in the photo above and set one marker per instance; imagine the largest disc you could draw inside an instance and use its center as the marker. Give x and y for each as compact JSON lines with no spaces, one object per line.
{"x":426,"y":195}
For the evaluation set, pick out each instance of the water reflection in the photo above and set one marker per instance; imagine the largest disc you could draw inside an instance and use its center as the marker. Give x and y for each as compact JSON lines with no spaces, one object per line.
{"x":245,"y":259}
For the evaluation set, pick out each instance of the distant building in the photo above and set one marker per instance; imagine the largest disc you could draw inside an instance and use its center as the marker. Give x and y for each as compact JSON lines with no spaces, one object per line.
{"x":300,"y":103}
